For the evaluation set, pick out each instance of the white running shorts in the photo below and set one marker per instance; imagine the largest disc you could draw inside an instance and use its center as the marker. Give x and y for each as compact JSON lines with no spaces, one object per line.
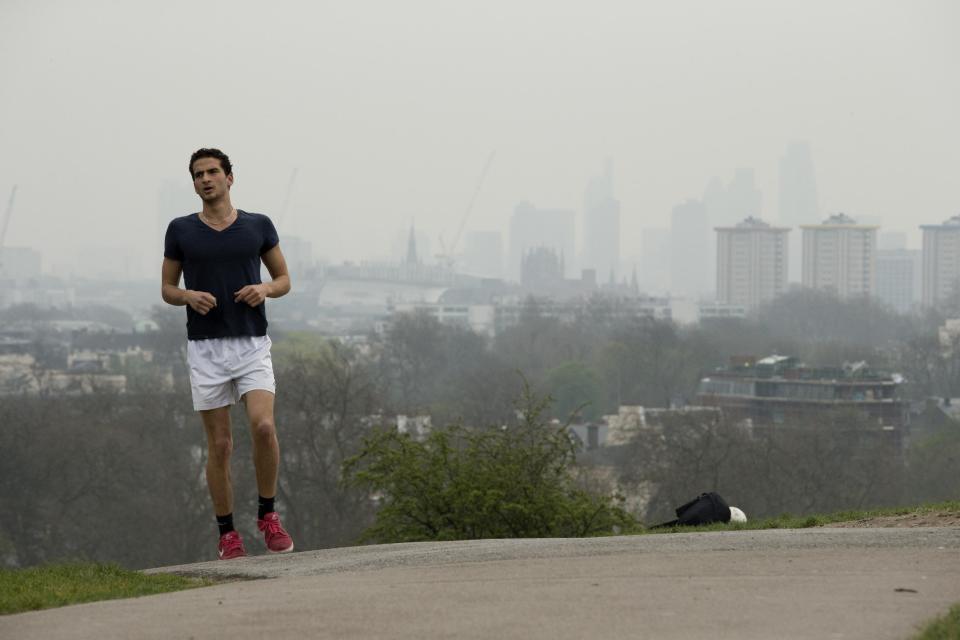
{"x":222,"y":370}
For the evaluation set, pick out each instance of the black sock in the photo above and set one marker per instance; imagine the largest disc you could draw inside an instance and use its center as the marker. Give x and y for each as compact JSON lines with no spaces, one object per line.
{"x":225,"y":523}
{"x":264,"y":506}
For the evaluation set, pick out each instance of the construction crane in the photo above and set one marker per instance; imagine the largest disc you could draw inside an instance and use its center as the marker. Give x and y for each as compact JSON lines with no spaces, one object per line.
{"x":447,"y":256}
{"x":6,"y":222}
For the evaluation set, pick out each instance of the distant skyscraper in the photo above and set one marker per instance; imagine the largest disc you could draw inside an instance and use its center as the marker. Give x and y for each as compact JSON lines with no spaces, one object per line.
{"x":601,"y":226}
{"x":840,"y":256}
{"x":655,"y":260}
{"x":751,"y":263}
{"x":728,"y":204}
{"x":890,"y":240}
{"x":897,"y":277}
{"x":941,"y":261}
{"x":737,"y":200}
{"x":531,"y":228}
{"x":744,"y":199}
{"x":798,"y":198}
{"x":715,"y":202}
{"x":298,"y":254}
{"x":691,"y":271}
{"x":483,"y":254}
{"x":798,"y":187}
{"x":541,"y":268}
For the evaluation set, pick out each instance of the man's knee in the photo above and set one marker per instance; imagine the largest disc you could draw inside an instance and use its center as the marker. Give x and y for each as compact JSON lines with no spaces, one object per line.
{"x":264,"y":430}
{"x":220,"y":448}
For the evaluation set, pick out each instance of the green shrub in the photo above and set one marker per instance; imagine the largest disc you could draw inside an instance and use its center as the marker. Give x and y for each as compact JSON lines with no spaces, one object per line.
{"x":514,"y":481}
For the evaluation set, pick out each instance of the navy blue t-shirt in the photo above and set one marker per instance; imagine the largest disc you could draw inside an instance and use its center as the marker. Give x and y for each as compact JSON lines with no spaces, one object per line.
{"x":221,"y":263}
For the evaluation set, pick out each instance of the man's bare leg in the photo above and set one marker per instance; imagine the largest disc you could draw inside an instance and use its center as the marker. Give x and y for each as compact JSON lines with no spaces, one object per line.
{"x":263,"y":432}
{"x":216,"y":423}
{"x":266,"y":459}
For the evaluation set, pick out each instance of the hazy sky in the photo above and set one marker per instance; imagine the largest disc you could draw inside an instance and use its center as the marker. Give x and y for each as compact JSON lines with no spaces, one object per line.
{"x":389,"y":110}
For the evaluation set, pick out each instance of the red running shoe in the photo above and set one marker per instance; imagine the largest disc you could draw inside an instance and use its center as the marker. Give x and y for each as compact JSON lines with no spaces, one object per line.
{"x":231,"y":546}
{"x":277,"y":539}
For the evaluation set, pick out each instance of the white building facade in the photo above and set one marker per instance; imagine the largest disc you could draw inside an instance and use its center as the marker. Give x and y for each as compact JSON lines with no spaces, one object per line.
{"x":898,"y":278}
{"x":751,"y":263}
{"x":840,"y":256}
{"x":941,"y":261}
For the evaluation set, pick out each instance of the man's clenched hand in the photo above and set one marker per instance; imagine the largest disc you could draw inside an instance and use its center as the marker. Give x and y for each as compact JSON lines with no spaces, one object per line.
{"x":200,"y":301}
{"x":252,"y":294}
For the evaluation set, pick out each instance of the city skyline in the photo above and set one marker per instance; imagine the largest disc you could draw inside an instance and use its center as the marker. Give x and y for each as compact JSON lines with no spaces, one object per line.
{"x":839,"y":255}
{"x":387,"y":115}
{"x":175,"y":199}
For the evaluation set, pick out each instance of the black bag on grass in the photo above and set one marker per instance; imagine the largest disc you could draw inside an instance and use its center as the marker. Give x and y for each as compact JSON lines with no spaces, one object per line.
{"x":706,"y":508}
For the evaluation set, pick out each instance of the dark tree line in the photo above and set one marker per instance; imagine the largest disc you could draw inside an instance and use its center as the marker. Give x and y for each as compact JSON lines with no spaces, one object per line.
{"x":102,"y":476}
{"x":119,"y":477}
{"x":838,"y":461}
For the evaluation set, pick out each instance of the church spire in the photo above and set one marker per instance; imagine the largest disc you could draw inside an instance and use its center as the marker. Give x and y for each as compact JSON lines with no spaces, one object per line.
{"x":412,"y":247}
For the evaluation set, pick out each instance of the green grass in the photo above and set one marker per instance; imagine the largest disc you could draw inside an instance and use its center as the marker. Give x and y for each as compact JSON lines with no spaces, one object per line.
{"x":787,"y":521}
{"x":946,"y":627}
{"x":62,"y":584}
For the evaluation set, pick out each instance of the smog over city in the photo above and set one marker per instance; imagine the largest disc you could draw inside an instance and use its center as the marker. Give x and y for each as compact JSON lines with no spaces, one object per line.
{"x":649,"y":225}
{"x":389,"y":111}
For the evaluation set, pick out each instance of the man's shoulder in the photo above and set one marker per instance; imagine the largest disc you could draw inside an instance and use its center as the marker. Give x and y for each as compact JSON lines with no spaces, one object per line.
{"x":180,"y":228}
{"x":182,"y":221}
{"x":256,"y":217}
{"x":260,"y":222}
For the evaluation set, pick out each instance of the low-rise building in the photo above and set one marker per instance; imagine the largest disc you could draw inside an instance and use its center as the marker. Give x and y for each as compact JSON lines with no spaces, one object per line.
{"x":80,"y":382}
{"x":631,"y":419}
{"x":418,"y":427}
{"x":600,"y":307}
{"x":720,"y":311}
{"x":18,"y":374}
{"x":496,"y":315}
{"x":777,"y":389}
{"x":898,"y":277}
{"x":476,"y":317}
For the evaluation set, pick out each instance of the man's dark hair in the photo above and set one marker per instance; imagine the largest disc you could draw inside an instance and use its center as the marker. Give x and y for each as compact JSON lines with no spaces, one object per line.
{"x":212,"y":153}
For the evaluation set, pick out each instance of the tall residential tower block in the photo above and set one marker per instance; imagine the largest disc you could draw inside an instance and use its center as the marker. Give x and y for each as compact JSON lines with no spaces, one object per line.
{"x":941,"y":261}
{"x":840,"y":255}
{"x":751,"y":263}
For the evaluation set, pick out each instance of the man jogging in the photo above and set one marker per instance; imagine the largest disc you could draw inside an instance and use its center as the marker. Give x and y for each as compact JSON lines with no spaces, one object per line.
{"x":218,"y":251}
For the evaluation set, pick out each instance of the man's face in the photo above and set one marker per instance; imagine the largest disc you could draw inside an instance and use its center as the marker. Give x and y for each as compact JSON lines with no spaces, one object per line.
{"x":209,"y":180}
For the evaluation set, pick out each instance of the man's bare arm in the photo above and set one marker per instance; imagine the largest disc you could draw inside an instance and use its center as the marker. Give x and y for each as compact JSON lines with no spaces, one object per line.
{"x":277,"y":266}
{"x":199,"y":301}
{"x":255,"y":294}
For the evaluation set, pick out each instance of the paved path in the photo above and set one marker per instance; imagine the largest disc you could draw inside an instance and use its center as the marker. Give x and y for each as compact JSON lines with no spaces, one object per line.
{"x":809,"y":583}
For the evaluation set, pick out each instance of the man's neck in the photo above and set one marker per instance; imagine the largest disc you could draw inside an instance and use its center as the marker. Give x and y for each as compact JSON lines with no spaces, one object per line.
{"x":221,"y":209}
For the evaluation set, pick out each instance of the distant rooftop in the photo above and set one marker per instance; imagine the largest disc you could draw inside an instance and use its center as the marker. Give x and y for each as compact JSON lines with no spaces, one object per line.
{"x":840,"y":218}
{"x":949,"y":222}
{"x":789,"y":367}
{"x":751,"y":221}
{"x":775,"y":360}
